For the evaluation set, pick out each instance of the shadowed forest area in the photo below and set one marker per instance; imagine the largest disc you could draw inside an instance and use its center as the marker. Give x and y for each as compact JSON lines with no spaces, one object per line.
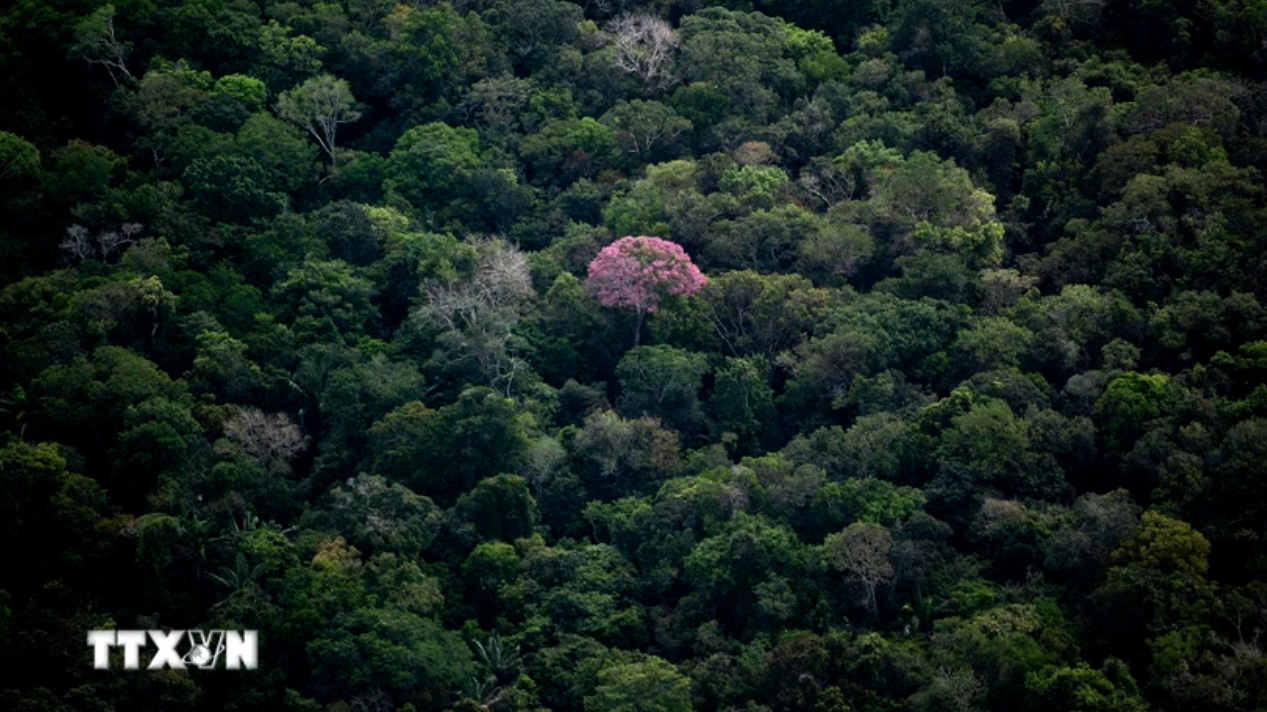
{"x":626,"y":356}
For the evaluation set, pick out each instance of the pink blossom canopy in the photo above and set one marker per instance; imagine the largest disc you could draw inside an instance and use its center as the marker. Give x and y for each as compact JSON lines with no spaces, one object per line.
{"x":634,"y":272}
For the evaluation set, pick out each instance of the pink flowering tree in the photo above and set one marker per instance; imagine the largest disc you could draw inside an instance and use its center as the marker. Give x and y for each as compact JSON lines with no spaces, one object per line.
{"x":636,"y":272}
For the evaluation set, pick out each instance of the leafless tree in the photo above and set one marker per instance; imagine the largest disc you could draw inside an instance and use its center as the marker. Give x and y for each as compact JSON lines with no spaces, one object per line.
{"x":501,"y":280}
{"x":375,"y":700}
{"x":110,"y":242}
{"x":735,"y":496}
{"x":957,"y":690}
{"x":644,"y":46}
{"x":269,"y":438}
{"x":862,"y":549}
{"x":479,"y":314}
{"x":81,"y":244}
{"x":78,"y":243}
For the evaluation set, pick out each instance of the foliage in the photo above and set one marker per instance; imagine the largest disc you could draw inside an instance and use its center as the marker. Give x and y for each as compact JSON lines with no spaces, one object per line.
{"x":638,"y":272}
{"x":319,"y":106}
{"x":314,"y":320}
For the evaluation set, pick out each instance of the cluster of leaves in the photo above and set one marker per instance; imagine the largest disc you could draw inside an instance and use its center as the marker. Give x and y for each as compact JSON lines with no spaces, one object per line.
{"x":637,"y":272}
{"x":316,"y":319}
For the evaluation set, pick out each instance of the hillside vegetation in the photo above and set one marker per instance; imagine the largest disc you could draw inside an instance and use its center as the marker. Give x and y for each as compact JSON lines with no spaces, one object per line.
{"x":626,"y":356}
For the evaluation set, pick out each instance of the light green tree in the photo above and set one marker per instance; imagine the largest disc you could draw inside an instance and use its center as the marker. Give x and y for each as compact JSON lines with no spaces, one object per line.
{"x":652,"y":685}
{"x":319,"y":106}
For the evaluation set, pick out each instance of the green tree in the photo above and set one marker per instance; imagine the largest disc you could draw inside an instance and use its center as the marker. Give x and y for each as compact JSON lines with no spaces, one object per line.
{"x":283,"y":56}
{"x":1108,"y":689}
{"x":993,"y":343}
{"x":319,"y":292}
{"x":749,"y":58}
{"x":319,"y":106}
{"x":52,"y":510}
{"x":1157,"y":584}
{"x":1129,"y":404}
{"x":942,"y":37}
{"x":232,"y":189}
{"x":499,"y":507}
{"x":626,"y":453}
{"x":646,"y":130}
{"x":383,"y":516}
{"x":442,"y":172}
{"x":486,"y":571}
{"x":447,"y":450}
{"x":662,"y":382}
{"x":762,"y":314}
{"x":288,"y":162}
{"x":564,"y":150}
{"x":396,"y":650}
{"x":429,"y":163}
{"x":19,"y":159}
{"x":742,"y":403}
{"x":97,"y":43}
{"x":929,"y":204}
{"x":729,"y":565}
{"x":651,"y":685}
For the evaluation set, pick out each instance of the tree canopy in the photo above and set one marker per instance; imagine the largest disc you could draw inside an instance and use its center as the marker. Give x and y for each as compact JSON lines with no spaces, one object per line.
{"x":947,"y":385}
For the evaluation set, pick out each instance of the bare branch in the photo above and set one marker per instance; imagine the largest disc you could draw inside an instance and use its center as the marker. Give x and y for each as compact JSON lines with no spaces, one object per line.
{"x":97,"y":43}
{"x":319,"y":106}
{"x":644,"y":46}
{"x":270,"y":439}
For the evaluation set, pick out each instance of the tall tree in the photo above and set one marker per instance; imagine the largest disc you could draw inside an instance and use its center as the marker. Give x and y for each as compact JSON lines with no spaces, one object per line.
{"x":319,"y":106}
{"x":645,"y":46}
{"x":637,"y":272}
{"x":862,"y":549}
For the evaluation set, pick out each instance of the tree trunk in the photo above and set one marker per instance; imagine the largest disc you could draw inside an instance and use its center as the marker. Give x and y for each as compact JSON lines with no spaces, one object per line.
{"x":642,"y":314}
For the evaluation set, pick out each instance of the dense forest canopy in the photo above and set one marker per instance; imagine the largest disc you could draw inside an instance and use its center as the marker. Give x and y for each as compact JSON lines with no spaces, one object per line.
{"x":627,"y":356}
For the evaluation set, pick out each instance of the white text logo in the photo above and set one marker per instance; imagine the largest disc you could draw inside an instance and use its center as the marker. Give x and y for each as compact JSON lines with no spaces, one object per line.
{"x":177,"y":649}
